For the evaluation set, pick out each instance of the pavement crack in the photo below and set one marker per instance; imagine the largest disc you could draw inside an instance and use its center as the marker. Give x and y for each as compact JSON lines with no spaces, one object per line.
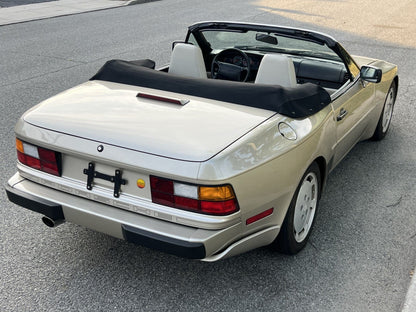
{"x":396,"y":203}
{"x":313,"y":245}
{"x":37,"y":76}
{"x":49,"y":56}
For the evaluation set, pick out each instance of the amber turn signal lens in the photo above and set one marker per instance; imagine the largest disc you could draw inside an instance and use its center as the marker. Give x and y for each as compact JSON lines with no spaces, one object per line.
{"x":217,"y":193}
{"x":19,"y":146}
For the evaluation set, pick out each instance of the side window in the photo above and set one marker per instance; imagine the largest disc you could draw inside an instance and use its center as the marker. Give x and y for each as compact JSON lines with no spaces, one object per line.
{"x":192,"y":40}
{"x":353,"y":69}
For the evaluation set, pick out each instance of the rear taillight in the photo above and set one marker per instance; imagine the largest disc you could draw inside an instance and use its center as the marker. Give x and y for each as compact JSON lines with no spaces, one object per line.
{"x":213,"y":200}
{"x":39,"y":158}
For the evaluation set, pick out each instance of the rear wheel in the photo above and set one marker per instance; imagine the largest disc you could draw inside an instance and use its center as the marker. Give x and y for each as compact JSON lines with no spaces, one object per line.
{"x":386,"y":115}
{"x":297,"y":226}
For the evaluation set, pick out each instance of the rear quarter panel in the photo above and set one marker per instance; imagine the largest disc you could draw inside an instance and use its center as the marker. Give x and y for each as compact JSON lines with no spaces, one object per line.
{"x":265,"y":168}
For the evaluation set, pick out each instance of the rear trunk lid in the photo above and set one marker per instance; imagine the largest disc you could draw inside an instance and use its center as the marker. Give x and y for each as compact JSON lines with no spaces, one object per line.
{"x":111,"y":113}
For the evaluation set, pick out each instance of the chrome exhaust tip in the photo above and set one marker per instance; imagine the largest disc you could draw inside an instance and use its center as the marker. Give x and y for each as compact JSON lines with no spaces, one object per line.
{"x":51,"y":222}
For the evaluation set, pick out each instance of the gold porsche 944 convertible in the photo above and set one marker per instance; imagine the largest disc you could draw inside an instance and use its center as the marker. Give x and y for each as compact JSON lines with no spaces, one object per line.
{"x":224,"y":150}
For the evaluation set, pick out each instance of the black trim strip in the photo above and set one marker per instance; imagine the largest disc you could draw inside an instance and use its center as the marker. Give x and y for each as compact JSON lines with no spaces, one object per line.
{"x":162,"y":243}
{"x":34,"y":203}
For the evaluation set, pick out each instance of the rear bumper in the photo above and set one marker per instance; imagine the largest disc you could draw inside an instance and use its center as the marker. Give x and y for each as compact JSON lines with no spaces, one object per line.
{"x":166,"y":244}
{"x":141,"y":237}
{"x":34,"y":203}
{"x":172,"y":238}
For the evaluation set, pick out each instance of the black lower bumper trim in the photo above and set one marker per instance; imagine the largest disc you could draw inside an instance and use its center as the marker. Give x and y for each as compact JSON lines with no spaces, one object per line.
{"x":166,"y":244}
{"x":34,"y":203}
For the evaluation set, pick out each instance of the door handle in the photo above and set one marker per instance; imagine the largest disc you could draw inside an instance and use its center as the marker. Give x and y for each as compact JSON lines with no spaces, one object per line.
{"x":342,"y":114}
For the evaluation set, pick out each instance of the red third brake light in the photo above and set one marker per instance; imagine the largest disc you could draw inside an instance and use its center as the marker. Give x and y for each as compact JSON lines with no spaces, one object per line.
{"x":38,"y":158}
{"x":213,"y":200}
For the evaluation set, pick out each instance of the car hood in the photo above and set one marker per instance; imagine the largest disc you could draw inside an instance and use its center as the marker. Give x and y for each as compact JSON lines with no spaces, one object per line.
{"x":111,"y":113}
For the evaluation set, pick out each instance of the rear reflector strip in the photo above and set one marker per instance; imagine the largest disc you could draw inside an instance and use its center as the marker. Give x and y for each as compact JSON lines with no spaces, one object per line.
{"x":259,"y":216}
{"x":162,"y":98}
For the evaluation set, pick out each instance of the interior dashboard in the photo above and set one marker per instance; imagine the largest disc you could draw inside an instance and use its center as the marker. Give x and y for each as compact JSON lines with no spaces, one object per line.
{"x":326,"y":73}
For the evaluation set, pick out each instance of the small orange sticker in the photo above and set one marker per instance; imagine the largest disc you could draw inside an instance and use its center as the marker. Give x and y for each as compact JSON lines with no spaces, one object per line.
{"x":140,"y":183}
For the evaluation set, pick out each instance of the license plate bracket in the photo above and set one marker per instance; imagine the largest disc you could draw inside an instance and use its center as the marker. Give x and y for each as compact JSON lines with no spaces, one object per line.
{"x":116,"y":178}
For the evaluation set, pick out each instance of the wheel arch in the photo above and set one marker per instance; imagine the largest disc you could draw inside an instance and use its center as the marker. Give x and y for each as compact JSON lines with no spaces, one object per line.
{"x":323,"y":170}
{"x":396,"y":80}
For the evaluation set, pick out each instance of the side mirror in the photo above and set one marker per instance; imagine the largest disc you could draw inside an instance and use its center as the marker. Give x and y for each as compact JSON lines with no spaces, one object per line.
{"x":371,"y":74}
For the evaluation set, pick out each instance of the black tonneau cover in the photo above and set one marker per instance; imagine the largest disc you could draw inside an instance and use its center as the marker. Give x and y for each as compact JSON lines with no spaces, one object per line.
{"x":299,"y":102}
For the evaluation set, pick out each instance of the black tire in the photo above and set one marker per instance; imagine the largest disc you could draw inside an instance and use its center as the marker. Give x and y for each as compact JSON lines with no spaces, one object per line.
{"x":289,"y":241}
{"x":384,"y":124}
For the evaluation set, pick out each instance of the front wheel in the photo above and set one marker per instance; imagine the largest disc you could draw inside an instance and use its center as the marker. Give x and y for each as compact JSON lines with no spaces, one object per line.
{"x":386,"y":115}
{"x":297,"y":226}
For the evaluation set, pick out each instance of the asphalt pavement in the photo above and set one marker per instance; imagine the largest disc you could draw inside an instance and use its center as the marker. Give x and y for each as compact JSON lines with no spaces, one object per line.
{"x":359,"y":161}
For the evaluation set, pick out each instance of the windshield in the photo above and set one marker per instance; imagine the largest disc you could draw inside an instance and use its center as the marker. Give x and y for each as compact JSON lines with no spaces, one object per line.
{"x":259,"y":41}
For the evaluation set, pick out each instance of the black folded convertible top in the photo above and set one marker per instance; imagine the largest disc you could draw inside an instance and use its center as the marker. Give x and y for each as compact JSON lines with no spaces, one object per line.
{"x":299,"y":102}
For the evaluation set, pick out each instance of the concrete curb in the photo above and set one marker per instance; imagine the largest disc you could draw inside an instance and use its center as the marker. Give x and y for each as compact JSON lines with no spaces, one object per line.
{"x":45,"y":10}
{"x":410,"y":301}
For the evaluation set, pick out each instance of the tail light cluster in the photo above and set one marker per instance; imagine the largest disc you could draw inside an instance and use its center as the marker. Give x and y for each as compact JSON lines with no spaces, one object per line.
{"x":213,"y":200}
{"x":39,"y":158}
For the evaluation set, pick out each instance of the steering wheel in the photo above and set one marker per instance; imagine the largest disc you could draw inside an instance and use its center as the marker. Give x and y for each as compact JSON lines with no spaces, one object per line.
{"x":231,"y":71}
